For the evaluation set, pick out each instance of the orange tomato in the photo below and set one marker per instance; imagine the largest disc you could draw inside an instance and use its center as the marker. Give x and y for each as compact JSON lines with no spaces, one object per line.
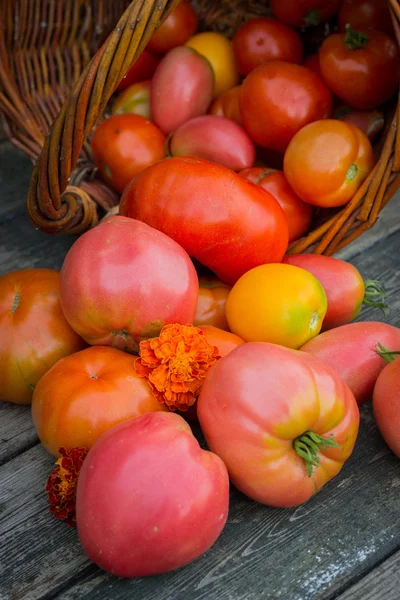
{"x":34,"y":333}
{"x":218,"y":50}
{"x":86,"y":394}
{"x":225,"y":341}
{"x":211,"y":303}
{"x":227,"y":105}
{"x":327,"y":161}
{"x":276,"y":303}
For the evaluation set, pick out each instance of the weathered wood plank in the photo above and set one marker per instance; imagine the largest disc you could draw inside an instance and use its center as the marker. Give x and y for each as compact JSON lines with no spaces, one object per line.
{"x":17,"y":432}
{"x":382,"y":583}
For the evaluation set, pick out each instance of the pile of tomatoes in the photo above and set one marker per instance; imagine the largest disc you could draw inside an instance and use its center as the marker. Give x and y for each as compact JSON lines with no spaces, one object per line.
{"x":187,"y":307}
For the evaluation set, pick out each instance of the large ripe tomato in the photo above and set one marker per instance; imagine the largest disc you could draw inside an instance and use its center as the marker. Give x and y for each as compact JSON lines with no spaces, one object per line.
{"x":276,"y":303}
{"x":124,"y":145}
{"x":122,"y":281}
{"x":218,"y":50}
{"x":211,"y":303}
{"x":149,"y":499}
{"x":303,"y":13}
{"x":278,"y":99}
{"x":227,"y":105}
{"x":87,"y":393}
{"x":298,"y":213}
{"x":135,"y":99}
{"x":386,"y":405}
{"x":34,"y":334}
{"x":142,"y":69}
{"x":363,"y":15}
{"x":176,"y":29}
{"x":351,"y":351}
{"x":362,"y":69}
{"x":225,"y":222}
{"x":347,"y":160}
{"x":267,"y":412}
{"x":259,"y":40}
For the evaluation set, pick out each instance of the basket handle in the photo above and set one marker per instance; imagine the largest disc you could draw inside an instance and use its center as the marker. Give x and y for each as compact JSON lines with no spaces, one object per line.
{"x":53,"y":205}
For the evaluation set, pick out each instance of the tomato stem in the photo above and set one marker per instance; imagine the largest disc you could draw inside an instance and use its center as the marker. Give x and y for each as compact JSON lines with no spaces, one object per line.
{"x":388,"y":355}
{"x":308,"y":445}
{"x":264,"y":174}
{"x":351,"y":172}
{"x":375,"y":295}
{"x":354,"y":40}
{"x":312,"y":17}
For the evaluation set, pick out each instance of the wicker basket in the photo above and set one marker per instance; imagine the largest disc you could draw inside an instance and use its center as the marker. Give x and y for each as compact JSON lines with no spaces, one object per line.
{"x":52,"y":94}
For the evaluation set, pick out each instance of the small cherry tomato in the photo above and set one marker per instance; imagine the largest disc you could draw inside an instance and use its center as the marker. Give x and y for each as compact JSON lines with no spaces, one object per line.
{"x":362,"y":69}
{"x":214,"y":138}
{"x":327,"y":161}
{"x":135,"y":100}
{"x":298,"y":213}
{"x":366,"y":14}
{"x":261,"y":40}
{"x":176,"y":29}
{"x":142,"y":69}
{"x":124,"y":145}
{"x":211,"y":303}
{"x":386,"y":405}
{"x":303,"y":13}
{"x":218,"y":50}
{"x":276,"y":303}
{"x":227,"y":105}
{"x":278,"y":99}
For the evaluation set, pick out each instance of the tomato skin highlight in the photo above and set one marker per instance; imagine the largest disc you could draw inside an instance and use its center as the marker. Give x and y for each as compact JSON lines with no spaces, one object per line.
{"x":278,"y":99}
{"x":34,"y":333}
{"x":156,"y":460}
{"x":342,"y":282}
{"x":201,"y":205}
{"x":256,"y":401}
{"x":386,"y":405}
{"x":350,"y":350}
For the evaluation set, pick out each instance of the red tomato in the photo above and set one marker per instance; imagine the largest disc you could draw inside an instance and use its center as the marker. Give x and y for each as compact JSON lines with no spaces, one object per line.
{"x":225,"y":222}
{"x":260,"y":40}
{"x":259,"y":407}
{"x":149,"y":481}
{"x":182,"y":88}
{"x":278,"y":99}
{"x":363,"y":70}
{"x":227,"y":105}
{"x":347,"y":160}
{"x":142,"y":69}
{"x":178,"y":27}
{"x":371,"y":122}
{"x":298,"y":213}
{"x":87,"y":393}
{"x":122,"y":281}
{"x":303,"y":13}
{"x":225,"y":341}
{"x":386,"y":405}
{"x":211,"y":303}
{"x":363,"y":15}
{"x":312,"y":63}
{"x":34,"y":334}
{"x":214,"y":138}
{"x":350,"y":350}
{"x":124,"y":145}
{"x":135,"y":99}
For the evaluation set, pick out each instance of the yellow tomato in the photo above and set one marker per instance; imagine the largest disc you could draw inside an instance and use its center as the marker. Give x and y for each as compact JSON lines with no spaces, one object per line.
{"x":276,"y":303}
{"x":219,"y":52}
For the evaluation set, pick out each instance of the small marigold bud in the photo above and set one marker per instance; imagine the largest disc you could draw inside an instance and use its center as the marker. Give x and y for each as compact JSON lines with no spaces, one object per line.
{"x":62,"y":482}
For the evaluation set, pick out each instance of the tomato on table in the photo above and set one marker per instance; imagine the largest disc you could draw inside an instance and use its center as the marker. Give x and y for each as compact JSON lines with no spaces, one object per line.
{"x":142,"y":69}
{"x":303,"y":13}
{"x":298,"y":213}
{"x":34,"y":333}
{"x":363,"y":15}
{"x":283,"y":424}
{"x":386,"y":404}
{"x":362,"y":68}
{"x":347,"y":160}
{"x":176,"y":29}
{"x":259,"y":40}
{"x":278,"y":98}
{"x":227,"y":105}
{"x":211,"y":303}
{"x":124,"y":145}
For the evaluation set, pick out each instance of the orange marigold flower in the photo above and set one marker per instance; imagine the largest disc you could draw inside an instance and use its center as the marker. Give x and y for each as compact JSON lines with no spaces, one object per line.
{"x":62,"y":482}
{"x":176,"y":364}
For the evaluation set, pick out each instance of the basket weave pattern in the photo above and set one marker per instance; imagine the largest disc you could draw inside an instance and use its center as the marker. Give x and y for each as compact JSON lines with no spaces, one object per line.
{"x":52,"y":93}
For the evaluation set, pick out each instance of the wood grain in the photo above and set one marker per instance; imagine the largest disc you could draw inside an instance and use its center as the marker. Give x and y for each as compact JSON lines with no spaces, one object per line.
{"x":17,"y":433}
{"x":382,"y":583}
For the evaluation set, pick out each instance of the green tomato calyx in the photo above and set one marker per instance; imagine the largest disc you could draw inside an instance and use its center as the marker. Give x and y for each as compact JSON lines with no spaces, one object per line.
{"x":351,"y":172}
{"x":354,"y":40}
{"x":308,"y":446}
{"x":312,"y":18}
{"x":374,"y":295}
{"x":388,"y":355}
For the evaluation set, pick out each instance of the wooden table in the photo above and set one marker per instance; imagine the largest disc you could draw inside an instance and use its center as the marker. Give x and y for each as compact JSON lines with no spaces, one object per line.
{"x":343,"y":544}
